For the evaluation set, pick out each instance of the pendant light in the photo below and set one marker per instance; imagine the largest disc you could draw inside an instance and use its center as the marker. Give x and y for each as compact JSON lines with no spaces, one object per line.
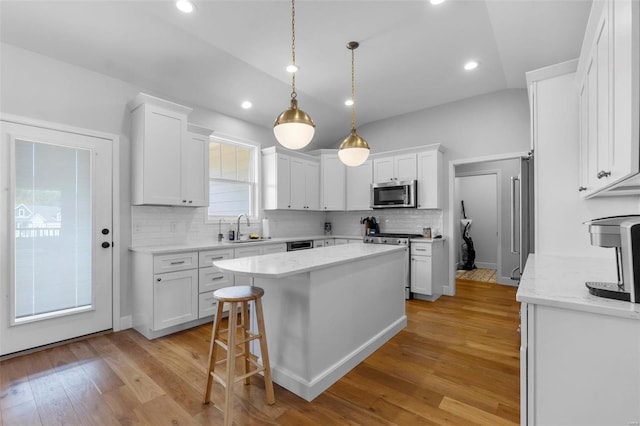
{"x":294,"y":128}
{"x":353,"y":150}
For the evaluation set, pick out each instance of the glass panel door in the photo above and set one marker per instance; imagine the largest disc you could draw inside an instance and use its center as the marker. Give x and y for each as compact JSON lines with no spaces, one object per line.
{"x":56,"y":242}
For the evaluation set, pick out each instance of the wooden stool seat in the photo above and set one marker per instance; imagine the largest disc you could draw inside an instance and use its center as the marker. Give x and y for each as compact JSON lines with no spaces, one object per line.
{"x":241,"y":293}
{"x":234,"y":296}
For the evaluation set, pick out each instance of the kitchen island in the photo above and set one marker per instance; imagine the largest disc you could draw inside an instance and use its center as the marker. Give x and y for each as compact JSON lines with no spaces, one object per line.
{"x":326,"y":310}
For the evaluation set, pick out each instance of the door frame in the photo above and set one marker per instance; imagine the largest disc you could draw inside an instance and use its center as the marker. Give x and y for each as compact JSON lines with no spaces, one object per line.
{"x":450,"y":290}
{"x":115,"y":202}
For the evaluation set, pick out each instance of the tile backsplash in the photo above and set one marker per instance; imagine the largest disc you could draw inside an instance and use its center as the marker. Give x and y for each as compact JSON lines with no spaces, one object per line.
{"x":155,"y":225}
{"x":404,"y":221}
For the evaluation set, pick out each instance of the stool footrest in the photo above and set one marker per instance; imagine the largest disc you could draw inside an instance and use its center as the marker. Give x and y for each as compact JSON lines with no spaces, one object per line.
{"x":249,"y":374}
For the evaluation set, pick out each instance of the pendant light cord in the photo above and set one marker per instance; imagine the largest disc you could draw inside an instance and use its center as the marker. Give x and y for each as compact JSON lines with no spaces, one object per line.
{"x":353,"y":90}
{"x":293,"y":48}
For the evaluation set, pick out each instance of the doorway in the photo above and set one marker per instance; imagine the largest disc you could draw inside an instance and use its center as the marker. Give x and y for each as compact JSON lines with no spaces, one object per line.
{"x":57,"y":240}
{"x":513,"y":217}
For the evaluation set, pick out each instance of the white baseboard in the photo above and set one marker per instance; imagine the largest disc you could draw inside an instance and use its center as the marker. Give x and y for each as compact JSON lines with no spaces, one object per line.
{"x":507,"y":281}
{"x":309,"y":390}
{"x":486,"y":265}
{"x":125,"y":323}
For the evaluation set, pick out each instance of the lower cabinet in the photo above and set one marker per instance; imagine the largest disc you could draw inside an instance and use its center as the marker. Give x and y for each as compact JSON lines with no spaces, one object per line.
{"x":427,"y":273}
{"x":175,"y":298}
{"x":578,"y":368}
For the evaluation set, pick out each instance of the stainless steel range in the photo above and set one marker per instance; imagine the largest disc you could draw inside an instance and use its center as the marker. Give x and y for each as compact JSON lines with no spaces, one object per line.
{"x":397,"y":240}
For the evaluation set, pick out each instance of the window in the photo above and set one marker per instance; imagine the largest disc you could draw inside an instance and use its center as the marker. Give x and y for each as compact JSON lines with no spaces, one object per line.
{"x":232,"y":178}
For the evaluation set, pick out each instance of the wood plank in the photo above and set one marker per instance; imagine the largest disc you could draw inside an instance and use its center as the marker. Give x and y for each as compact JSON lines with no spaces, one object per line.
{"x":25,"y":414}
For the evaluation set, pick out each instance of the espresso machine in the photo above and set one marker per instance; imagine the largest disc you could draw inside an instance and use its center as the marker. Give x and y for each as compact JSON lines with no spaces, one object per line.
{"x":623,"y":234}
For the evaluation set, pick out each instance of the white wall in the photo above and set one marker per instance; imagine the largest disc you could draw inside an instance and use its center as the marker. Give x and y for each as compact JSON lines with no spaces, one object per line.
{"x":480,"y":196}
{"x":39,"y":87}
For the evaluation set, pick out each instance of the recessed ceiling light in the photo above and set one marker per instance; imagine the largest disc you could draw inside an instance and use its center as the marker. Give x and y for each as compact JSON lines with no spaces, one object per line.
{"x":292,"y":68}
{"x":246,"y":105}
{"x":185,"y":6}
{"x":348,"y":102}
{"x":437,"y":2}
{"x":471,"y":65}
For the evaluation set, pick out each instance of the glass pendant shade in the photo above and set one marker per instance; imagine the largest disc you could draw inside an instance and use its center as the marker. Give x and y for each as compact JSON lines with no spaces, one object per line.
{"x":294,"y":129}
{"x":353,"y":150}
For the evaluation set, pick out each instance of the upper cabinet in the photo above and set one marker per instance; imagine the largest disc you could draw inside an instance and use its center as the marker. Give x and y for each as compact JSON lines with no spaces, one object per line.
{"x":430,"y":181}
{"x":290,"y":182}
{"x":359,"y":180}
{"x":168,"y":162}
{"x":333,"y":176}
{"x":608,"y":92}
{"x":399,"y":167}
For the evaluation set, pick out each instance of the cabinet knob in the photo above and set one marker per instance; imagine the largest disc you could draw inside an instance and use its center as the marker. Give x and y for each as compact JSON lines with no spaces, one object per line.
{"x":184,"y":201}
{"x":158,"y":279}
{"x":106,"y":245}
{"x":190,"y":201}
{"x":582,"y":188}
{"x":289,"y":206}
{"x":602,"y":174}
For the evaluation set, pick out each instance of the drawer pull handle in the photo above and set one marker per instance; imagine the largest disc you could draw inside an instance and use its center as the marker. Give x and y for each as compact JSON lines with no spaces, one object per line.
{"x":178,"y":262}
{"x":217,"y":258}
{"x":420,"y":249}
{"x":216,"y":278}
{"x":602,"y":174}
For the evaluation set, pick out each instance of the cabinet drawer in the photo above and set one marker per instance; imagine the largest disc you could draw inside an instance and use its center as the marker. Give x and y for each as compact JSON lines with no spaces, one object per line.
{"x":207,"y":305}
{"x":212,"y":278}
{"x":207,"y":257}
{"x":421,"y":249}
{"x":175,"y":262}
{"x":274,"y":248}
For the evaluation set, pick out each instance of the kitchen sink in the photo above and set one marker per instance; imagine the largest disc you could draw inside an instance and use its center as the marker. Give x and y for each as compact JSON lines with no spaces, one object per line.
{"x":258,"y":240}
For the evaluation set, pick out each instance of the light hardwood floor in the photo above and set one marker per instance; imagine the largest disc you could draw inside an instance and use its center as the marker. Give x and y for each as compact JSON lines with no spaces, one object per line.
{"x":456,"y":362}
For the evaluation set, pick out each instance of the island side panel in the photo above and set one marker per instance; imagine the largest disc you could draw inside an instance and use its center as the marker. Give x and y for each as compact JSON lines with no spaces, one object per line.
{"x":320,"y":324}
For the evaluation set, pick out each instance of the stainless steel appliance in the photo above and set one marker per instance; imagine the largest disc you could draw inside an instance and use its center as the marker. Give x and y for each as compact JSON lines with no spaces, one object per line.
{"x":522,"y":223}
{"x":299,"y":245}
{"x":623,"y":234}
{"x":393,"y":194}
{"x":398,"y":240}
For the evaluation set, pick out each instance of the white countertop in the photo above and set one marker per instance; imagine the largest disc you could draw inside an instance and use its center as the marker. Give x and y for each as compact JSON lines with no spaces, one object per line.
{"x":224,"y":244}
{"x":559,"y":281}
{"x":280,"y":265}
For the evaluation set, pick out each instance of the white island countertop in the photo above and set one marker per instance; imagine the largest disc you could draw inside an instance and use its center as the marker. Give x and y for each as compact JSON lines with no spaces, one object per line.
{"x":278,"y":265}
{"x":559,"y":281}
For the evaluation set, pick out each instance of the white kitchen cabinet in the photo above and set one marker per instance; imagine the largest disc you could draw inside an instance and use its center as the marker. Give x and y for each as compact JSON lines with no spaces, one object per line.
{"x":430,"y":183}
{"x":319,"y":243}
{"x":175,"y":298}
{"x":167,"y":163}
{"x":174,"y":291}
{"x":359,"y":180}
{"x":340,"y":241}
{"x":290,"y":182}
{"x":609,"y":102}
{"x":428,"y":276}
{"x":401,"y":167}
{"x":578,"y":368}
{"x":333,"y":178}
{"x":304,"y":184}
{"x":195,"y":167}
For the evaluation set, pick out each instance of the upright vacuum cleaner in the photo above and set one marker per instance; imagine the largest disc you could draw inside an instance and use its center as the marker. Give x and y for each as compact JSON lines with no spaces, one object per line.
{"x":468,"y":251}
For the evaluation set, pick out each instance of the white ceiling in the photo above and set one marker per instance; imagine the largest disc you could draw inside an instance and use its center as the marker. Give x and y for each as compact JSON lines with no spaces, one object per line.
{"x":410,"y":57}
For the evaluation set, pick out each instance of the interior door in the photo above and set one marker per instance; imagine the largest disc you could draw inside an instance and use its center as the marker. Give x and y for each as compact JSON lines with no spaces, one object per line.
{"x":56,"y":240}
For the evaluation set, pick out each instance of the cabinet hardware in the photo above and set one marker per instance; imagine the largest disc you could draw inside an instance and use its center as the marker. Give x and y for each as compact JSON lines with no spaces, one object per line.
{"x":105,"y":231}
{"x":217,"y":258}
{"x":184,"y":201}
{"x":602,"y":174}
{"x":158,"y":279}
{"x":216,"y":278}
{"x":106,"y":245}
{"x":582,"y":188}
{"x":419,"y":249}
{"x":190,"y":201}
{"x":178,"y":262}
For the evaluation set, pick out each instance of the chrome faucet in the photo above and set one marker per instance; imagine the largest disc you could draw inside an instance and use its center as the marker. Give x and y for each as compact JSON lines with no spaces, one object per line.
{"x":238,"y":224}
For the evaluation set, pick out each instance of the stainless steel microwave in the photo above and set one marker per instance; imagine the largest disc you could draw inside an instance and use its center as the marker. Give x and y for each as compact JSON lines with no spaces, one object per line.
{"x":393,"y":194}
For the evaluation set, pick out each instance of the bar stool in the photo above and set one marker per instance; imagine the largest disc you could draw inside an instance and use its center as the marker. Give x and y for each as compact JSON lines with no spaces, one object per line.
{"x":238,"y":295}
